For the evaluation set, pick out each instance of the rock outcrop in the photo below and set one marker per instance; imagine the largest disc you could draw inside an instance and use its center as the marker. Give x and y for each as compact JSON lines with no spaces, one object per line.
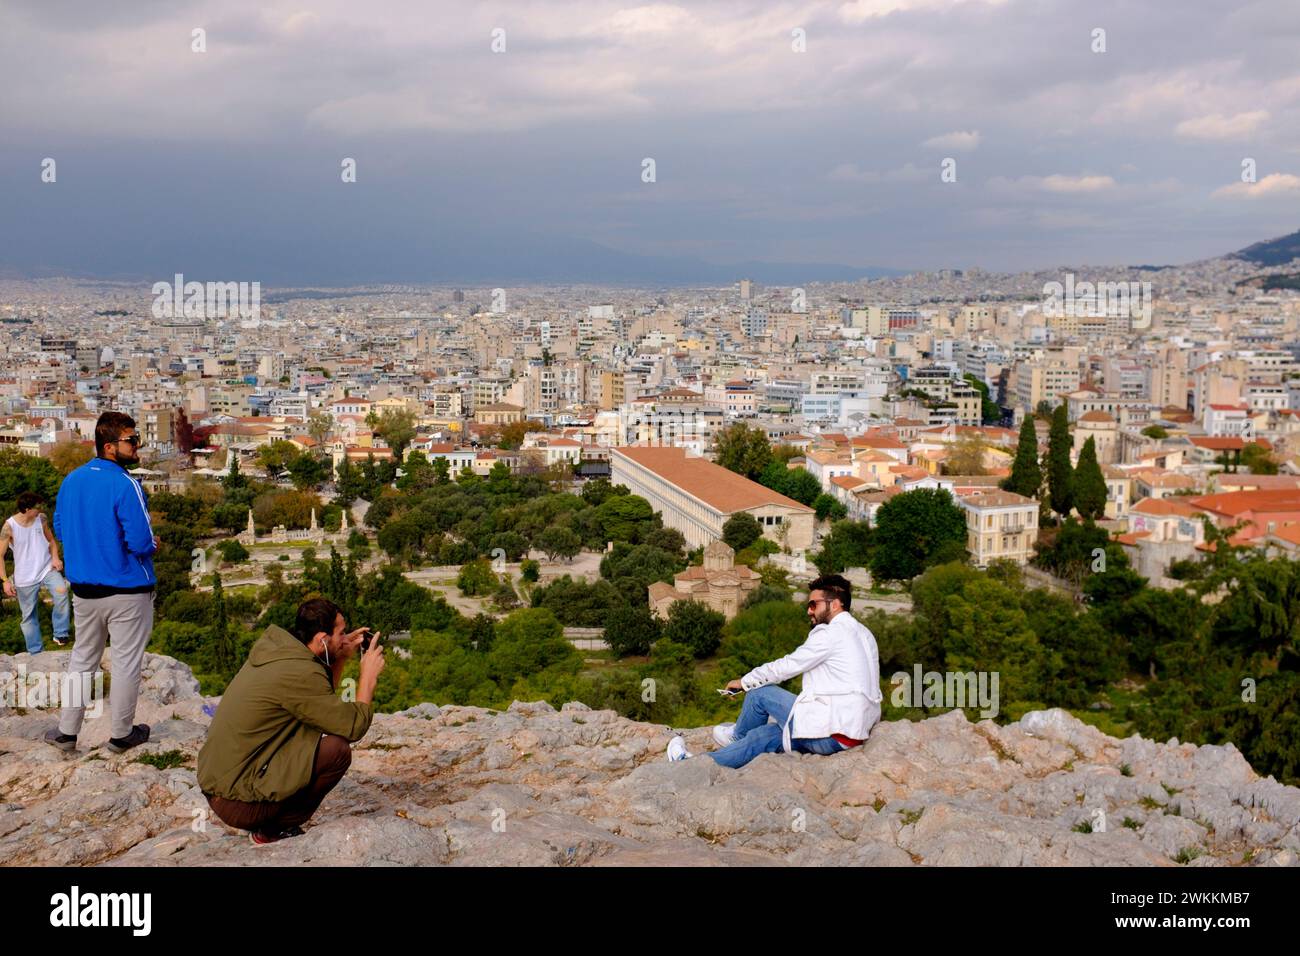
{"x":532,"y":785}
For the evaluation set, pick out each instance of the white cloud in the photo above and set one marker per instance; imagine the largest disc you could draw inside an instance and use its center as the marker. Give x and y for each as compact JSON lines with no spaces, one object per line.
{"x":712,"y":90}
{"x":299,"y":22}
{"x":907,"y":173}
{"x":1155,"y":97}
{"x":1055,"y":183}
{"x":963,"y":140}
{"x":858,"y":11}
{"x":652,"y":18}
{"x":1274,"y":184}
{"x":1218,"y":126}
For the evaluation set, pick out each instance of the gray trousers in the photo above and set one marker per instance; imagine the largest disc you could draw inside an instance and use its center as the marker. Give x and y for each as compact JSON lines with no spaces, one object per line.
{"x":126,"y":620}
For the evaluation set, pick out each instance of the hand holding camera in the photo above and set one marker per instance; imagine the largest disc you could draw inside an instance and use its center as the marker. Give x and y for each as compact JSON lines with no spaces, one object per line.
{"x":372,"y":654}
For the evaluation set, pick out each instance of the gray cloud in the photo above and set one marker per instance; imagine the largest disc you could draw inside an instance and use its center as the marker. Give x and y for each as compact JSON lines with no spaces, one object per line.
{"x":830,"y":155}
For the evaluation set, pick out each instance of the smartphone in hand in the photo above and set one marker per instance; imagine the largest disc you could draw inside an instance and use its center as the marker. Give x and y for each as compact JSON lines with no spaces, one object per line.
{"x":727,"y":693}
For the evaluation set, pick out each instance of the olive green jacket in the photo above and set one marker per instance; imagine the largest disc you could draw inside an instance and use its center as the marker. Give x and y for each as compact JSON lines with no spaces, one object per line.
{"x":262,"y":742}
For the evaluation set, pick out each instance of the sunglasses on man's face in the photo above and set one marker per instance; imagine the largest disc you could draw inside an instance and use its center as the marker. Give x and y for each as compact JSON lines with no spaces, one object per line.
{"x":133,"y":439}
{"x":812,"y":604}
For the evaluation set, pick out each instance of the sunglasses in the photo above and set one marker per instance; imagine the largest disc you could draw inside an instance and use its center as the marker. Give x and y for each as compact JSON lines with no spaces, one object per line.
{"x":813,"y":604}
{"x":134,"y":440}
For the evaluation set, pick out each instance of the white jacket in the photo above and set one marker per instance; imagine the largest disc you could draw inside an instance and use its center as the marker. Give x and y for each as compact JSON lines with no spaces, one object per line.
{"x":840,"y":665}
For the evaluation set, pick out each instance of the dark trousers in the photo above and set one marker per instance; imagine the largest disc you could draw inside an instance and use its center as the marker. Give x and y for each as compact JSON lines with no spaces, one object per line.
{"x":333,"y":757}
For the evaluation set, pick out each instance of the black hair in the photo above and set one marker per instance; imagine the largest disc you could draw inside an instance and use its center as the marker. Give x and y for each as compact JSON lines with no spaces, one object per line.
{"x":835,"y":587}
{"x":28,"y":499}
{"x":109,"y":429}
{"x":315,"y":615}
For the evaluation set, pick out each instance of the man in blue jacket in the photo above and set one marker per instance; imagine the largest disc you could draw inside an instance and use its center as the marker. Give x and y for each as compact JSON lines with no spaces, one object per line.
{"x":108,"y":546}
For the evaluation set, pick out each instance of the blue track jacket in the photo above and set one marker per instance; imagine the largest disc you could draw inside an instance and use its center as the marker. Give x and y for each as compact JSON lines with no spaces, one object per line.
{"x":102,"y":520}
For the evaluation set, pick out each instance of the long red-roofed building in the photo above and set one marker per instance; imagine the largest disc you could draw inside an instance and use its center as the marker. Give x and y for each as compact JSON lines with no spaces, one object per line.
{"x":697,"y":496}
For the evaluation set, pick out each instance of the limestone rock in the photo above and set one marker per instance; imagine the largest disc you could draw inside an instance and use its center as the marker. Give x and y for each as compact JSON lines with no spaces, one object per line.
{"x":466,"y":786}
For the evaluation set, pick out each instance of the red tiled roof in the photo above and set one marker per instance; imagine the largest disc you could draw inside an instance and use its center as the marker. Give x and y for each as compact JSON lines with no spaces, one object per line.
{"x":1131,"y":538}
{"x":1165,"y":507}
{"x":1223,"y":443}
{"x":878,"y":441}
{"x":239,"y":429}
{"x":1289,"y":532}
{"x":1240,"y":502}
{"x":716,"y":486}
{"x":1248,"y":482}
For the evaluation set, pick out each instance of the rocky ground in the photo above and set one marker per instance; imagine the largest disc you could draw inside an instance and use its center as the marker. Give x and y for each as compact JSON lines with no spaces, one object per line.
{"x":467,"y":786}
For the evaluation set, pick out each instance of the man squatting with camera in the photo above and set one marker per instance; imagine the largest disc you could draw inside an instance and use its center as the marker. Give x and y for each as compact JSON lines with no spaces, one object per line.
{"x":279,"y":741}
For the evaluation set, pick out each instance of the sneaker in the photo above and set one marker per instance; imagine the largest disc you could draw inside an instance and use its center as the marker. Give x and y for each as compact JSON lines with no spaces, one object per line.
{"x":61,"y":740}
{"x":61,"y":641}
{"x":262,"y":838}
{"x":724,"y":734}
{"x":139,"y":734}
{"x":677,"y":749}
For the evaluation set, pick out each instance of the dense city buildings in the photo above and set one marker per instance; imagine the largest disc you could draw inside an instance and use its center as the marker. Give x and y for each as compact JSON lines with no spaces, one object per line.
{"x":877,"y":388}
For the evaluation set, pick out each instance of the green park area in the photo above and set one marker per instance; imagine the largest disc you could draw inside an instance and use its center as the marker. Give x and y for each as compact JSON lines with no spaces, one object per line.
{"x":1211,"y":661}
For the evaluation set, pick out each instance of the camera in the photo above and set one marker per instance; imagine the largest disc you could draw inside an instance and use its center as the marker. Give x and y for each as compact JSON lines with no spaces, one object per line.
{"x":365,"y":641}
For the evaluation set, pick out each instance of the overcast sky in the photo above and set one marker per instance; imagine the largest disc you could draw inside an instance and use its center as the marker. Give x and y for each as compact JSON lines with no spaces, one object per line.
{"x":528,"y":163}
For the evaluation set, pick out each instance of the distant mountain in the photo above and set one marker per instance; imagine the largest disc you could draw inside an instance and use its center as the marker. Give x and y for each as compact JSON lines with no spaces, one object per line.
{"x":333,"y":261}
{"x":1272,"y":252}
{"x":1274,"y":281}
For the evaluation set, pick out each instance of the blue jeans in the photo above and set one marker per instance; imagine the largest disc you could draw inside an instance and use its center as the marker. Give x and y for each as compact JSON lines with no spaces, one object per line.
{"x":29,"y":602}
{"x":755,"y":735}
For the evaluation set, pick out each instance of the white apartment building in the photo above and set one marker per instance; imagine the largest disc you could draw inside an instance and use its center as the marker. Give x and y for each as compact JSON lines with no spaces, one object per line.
{"x":549,"y":450}
{"x":1038,"y":381}
{"x":828,"y":465}
{"x":350,"y":406}
{"x":837,"y":382}
{"x":1220,"y":421}
{"x":675,"y":424}
{"x":1266,"y":397}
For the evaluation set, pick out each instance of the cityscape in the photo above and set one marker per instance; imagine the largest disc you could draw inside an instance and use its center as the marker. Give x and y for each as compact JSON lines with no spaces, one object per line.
{"x":876,"y":388}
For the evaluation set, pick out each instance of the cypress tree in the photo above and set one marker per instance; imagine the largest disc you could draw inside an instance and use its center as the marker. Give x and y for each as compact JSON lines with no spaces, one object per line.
{"x":223,"y":648}
{"x":1026,"y":476}
{"x":234,"y":477}
{"x":1059,"y":473}
{"x":1089,"y":485}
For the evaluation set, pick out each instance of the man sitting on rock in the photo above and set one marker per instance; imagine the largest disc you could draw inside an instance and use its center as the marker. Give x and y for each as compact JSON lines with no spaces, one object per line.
{"x":279,"y":739}
{"x":841,"y":695}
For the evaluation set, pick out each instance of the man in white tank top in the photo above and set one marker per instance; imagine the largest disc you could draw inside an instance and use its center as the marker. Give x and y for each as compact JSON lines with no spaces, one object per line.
{"x":36,"y":565}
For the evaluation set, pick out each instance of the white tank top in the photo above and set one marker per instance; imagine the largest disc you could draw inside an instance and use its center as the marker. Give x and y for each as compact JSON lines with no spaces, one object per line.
{"x":31,"y":552}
